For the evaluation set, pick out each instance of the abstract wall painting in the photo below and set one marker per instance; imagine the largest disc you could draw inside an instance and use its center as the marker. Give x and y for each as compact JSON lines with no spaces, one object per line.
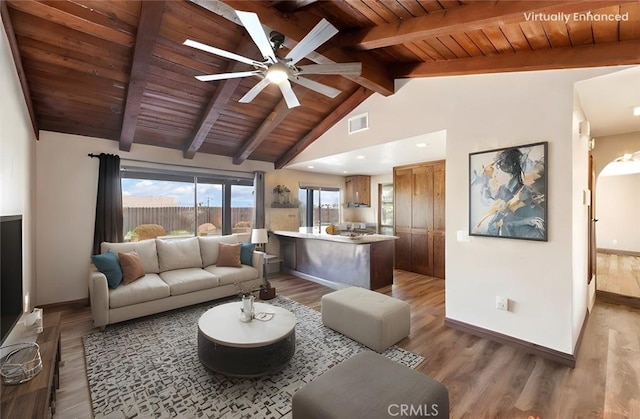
{"x":508,"y":192}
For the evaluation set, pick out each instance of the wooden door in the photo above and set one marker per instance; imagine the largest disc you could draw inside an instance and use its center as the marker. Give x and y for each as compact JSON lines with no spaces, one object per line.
{"x":419,"y":222}
{"x":402,"y":217}
{"x":422,"y":220}
{"x":593,"y":253}
{"x":438,"y":229}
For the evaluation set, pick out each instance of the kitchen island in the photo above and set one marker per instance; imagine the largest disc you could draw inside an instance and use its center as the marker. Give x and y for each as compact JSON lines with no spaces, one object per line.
{"x":364,"y":261}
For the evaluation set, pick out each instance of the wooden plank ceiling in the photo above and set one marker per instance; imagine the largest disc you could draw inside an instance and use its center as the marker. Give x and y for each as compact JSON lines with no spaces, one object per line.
{"x":117,"y":69}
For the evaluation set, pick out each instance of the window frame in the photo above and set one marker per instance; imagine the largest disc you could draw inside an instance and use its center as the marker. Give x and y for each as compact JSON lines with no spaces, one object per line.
{"x":226,"y":181}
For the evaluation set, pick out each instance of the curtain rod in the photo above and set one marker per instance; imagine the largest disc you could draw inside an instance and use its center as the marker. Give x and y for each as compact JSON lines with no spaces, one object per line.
{"x":174,"y":164}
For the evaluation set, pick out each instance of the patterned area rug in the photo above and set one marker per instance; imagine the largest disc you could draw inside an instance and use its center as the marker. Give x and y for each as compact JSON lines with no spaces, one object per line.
{"x":150,"y":368}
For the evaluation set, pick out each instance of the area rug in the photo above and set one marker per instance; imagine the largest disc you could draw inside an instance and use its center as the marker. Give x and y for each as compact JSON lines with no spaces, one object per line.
{"x":150,"y":368}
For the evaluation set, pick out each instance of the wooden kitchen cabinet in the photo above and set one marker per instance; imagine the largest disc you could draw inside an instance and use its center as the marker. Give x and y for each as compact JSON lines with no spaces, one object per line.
{"x":419,"y":219}
{"x":358,"y":191}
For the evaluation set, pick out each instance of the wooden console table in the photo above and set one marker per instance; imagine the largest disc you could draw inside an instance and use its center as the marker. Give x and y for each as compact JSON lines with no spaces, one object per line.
{"x":36,"y":398}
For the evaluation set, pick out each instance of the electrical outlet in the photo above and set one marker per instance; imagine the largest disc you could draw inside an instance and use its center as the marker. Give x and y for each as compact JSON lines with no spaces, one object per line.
{"x":502,"y":303}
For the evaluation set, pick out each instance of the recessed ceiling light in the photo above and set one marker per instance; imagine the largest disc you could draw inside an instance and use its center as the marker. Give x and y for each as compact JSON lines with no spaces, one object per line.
{"x":636,"y":111}
{"x":360,"y":157}
{"x":421,"y":145}
{"x":345,"y":171}
{"x":310,"y":167}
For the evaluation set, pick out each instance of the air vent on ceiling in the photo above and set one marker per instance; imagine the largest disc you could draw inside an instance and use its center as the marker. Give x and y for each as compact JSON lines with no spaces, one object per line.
{"x":359,"y":123}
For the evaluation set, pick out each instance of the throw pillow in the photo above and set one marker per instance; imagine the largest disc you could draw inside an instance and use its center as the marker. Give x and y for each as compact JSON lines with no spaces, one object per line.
{"x":108,"y":264}
{"x":246,"y":253}
{"x":229,"y":255}
{"x":132,"y":268}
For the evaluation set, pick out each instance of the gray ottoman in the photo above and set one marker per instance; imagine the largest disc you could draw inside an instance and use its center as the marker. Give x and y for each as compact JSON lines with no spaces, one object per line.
{"x":370,"y":386}
{"x":373,"y":319}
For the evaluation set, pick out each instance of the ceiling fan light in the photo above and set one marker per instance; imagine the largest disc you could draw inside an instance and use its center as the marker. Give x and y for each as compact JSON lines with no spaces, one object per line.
{"x":276,"y":74}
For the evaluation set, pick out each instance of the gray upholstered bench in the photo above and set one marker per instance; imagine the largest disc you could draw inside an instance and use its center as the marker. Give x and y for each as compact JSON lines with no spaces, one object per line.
{"x":373,"y":319}
{"x":370,"y":386}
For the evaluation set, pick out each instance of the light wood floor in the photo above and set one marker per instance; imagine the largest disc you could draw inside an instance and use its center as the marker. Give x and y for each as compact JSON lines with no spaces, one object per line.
{"x":485,"y":379}
{"x":619,"y":274}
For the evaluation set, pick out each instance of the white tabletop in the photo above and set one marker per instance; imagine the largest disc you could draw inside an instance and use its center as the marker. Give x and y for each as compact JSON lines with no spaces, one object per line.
{"x":222,"y":324}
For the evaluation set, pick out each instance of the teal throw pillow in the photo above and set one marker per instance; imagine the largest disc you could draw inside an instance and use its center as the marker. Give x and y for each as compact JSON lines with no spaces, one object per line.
{"x":246,"y":253}
{"x":108,"y":264}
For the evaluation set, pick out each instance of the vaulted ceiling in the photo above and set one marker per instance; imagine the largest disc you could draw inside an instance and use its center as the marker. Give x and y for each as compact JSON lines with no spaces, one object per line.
{"x":118,"y":70}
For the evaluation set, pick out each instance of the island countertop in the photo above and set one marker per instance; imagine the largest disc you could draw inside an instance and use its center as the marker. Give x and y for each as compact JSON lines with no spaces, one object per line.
{"x":361,"y":239}
{"x":363,"y":261}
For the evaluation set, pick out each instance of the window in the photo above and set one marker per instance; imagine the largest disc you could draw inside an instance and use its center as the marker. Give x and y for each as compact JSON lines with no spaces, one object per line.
{"x":209,"y":200}
{"x":319,"y":206}
{"x":186,"y":204}
{"x":242,"y":208}
{"x":386,"y":209}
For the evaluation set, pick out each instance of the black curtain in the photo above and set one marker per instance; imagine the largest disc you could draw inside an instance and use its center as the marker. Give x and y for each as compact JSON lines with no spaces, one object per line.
{"x":109,"y":203}
{"x":258,"y":199}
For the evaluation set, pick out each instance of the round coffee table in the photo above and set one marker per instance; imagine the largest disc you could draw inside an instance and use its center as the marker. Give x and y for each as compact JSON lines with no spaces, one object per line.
{"x":228,"y":346}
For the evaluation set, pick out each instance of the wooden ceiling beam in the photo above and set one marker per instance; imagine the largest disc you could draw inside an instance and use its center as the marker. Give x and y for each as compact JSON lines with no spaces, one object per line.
{"x":15,"y":52}
{"x":330,"y":120}
{"x":290,"y":6}
{"x":148,"y":28}
{"x":375,"y":75}
{"x":466,"y":18}
{"x":271,"y":122}
{"x":218,"y":101}
{"x":599,"y":55}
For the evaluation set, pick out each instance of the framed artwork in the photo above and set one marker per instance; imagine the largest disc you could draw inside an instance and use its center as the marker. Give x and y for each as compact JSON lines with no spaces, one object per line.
{"x":508,"y":192}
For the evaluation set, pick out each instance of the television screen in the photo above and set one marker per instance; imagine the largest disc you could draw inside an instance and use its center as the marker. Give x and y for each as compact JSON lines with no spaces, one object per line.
{"x":10,"y":272}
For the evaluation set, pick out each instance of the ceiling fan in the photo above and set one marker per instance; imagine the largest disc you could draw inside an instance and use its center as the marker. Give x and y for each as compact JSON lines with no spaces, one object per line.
{"x":277,"y":70}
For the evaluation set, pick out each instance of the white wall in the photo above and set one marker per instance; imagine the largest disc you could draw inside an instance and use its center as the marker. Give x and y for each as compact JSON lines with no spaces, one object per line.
{"x":17,"y":153}
{"x":618,"y":212}
{"x":544,"y":280}
{"x":611,"y":147}
{"x":583,"y":294}
{"x":66,"y":188}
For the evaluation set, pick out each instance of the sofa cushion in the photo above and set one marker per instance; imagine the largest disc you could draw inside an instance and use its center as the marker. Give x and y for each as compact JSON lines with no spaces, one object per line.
{"x":178,"y":254}
{"x":146,"y":251}
{"x":132,"y":268}
{"x":209,"y":247}
{"x":246,"y":253}
{"x":149,"y":287}
{"x":109,"y":265}
{"x":183,"y":281}
{"x":229,"y":255}
{"x":229,"y":275}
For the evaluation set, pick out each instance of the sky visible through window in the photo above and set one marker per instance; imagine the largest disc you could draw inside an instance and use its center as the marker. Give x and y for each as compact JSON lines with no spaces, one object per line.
{"x":183,"y":192}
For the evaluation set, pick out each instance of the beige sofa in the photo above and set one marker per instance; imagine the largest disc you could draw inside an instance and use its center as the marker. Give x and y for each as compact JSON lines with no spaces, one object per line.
{"x":178,"y":272}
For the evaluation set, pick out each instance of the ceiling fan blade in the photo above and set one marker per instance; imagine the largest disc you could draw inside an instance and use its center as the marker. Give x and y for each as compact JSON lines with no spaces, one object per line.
{"x":224,"y":76}
{"x":320,"y":34}
{"x":251,"y":94}
{"x":316,"y":87}
{"x":252,"y":24}
{"x":343,"y":69}
{"x":222,"y":53}
{"x":288,"y":94}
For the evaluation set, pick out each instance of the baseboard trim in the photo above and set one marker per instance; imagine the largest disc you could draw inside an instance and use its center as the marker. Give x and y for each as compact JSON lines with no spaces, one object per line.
{"x":81,"y":302}
{"x":613,"y":298}
{"x":618,"y":252}
{"x":312,"y":278}
{"x":576,"y":348}
{"x":568,"y":360}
